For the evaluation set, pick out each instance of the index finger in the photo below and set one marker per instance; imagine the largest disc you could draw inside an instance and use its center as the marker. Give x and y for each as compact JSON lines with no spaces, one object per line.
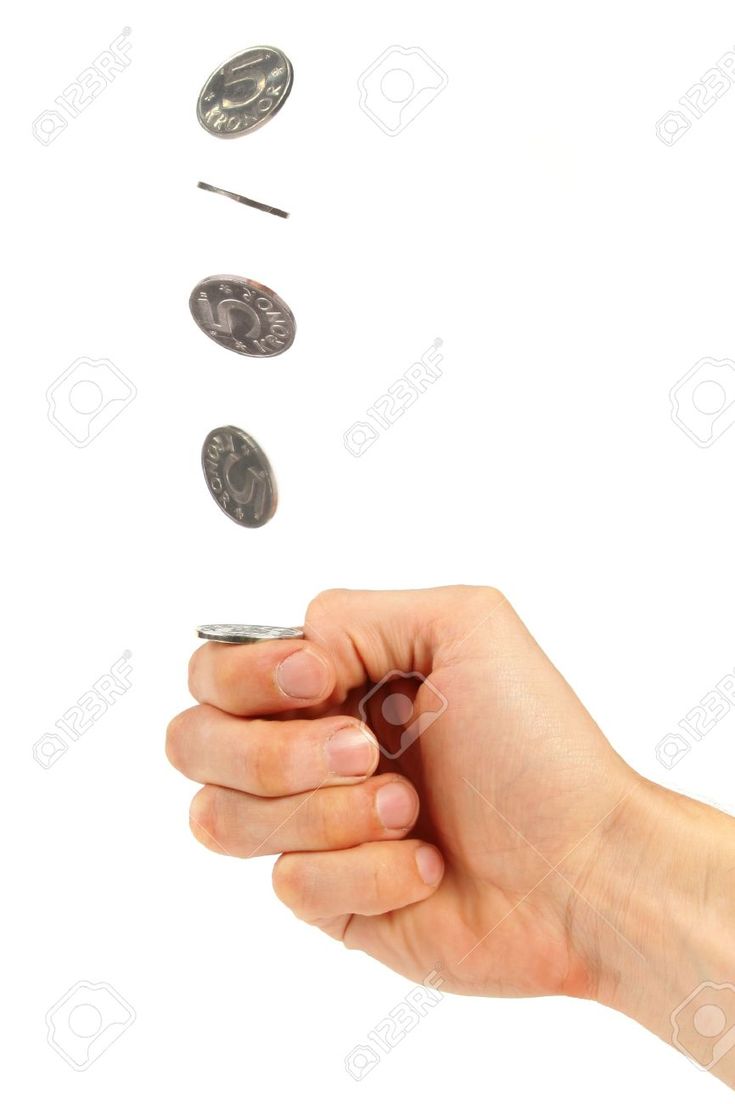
{"x":351,"y":637}
{"x":272,"y":676}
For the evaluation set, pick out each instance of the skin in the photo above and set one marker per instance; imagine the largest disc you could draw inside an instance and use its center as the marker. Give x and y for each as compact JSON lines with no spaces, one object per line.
{"x":523,"y":855}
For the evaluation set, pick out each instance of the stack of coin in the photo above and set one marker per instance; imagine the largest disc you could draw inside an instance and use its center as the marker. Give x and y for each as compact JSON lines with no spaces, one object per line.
{"x":241,"y":314}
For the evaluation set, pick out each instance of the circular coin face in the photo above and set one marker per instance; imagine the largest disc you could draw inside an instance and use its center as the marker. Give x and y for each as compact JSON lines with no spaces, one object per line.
{"x":239,"y":476}
{"x":247,"y":634}
{"x":242,"y":315}
{"x":245,"y":92}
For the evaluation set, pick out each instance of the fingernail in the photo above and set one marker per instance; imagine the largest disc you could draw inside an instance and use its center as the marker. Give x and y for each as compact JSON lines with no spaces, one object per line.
{"x":430,"y":864}
{"x":303,"y":675}
{"x":396,"y":805}
{"x":351,"y":752}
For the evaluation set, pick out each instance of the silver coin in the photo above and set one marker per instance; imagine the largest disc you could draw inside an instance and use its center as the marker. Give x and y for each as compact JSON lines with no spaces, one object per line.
{"x":245,"y":92}
{"x":239,"y":477}
{"x":242,"y":315}
{"x":247,"y":634}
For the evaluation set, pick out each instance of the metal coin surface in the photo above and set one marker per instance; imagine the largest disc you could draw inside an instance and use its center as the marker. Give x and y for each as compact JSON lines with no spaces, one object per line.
{"x":242,"y":315}
{"x":245,"y":92}
{"x":239,"y":477}
{"x":247,"y":634}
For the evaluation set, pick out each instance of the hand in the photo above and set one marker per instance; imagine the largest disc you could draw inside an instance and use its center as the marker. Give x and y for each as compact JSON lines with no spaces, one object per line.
{"x":508,"y":844}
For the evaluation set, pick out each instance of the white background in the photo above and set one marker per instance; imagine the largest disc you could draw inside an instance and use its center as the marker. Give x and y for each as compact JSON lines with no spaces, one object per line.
{"x":575,"y":267}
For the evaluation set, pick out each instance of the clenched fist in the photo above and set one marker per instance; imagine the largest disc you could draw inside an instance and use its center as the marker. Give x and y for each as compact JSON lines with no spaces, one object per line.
{"x":438,"y":794}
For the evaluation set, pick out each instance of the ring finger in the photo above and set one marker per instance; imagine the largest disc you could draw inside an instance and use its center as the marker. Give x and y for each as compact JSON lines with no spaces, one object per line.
{"x":382,"y":808}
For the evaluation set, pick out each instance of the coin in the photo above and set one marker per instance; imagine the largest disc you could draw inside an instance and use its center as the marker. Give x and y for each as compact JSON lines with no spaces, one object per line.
{"x":242,"y":315}
{"x":247,"y":634}
{"x":245,"y":92}
{"x":244,"y":199}
{"x":239,"y":477}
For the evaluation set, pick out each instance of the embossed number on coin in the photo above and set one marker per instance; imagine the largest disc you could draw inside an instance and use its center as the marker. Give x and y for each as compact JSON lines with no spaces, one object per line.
{"x":245,"y":92}
{"x":242,"y":315}
{"x":239,"y":476}
{"x":247,"y":634}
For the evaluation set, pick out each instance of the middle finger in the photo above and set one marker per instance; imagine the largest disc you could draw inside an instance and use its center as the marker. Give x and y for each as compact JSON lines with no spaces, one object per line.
{"x":270,"y":758}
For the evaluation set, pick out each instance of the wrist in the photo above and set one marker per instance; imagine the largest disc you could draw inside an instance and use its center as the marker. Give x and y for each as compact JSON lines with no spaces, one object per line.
{"x":662,"y":943}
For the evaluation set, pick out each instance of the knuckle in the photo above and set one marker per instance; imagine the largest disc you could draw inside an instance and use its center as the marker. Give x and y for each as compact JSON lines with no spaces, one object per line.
{"x":211,"y":673}
{"x":261,"y":767}
{"x":218,"y":680}
{"x":194,"y":673}
{"x":175,"y":741}
{"x":487,"y":597}
{"x":196,"y":668}
{"x":486,"y":604}
{"x":325,"y":601}
{"x":379,"y":885}
{"x":493,"y":595}
{"x":289,"y":883}
{"x":204,"y":820}
{"x":328,"y":816}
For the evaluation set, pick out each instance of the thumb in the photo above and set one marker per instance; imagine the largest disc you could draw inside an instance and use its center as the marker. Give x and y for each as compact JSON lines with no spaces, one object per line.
{"x":369,"y":634}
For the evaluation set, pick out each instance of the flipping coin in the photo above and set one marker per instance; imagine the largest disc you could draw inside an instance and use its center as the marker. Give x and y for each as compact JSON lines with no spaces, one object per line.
{"x":239,"y":477}
{"x":245,"y":92}
{"x":243,"y":315}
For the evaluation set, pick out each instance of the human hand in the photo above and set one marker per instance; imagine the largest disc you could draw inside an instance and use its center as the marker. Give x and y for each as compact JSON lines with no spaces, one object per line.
{"x":508,"y":843}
